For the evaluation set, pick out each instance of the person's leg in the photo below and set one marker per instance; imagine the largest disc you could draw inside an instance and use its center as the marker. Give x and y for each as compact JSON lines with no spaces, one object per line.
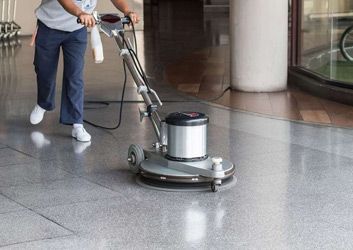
{"x":72,"y":96}
{"x":46,"y":59}
{"x":74,"y":48}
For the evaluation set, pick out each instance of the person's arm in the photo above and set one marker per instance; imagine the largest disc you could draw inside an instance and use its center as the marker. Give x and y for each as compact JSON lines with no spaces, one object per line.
{"x":86,"y":19}
{"x":124,"y":8}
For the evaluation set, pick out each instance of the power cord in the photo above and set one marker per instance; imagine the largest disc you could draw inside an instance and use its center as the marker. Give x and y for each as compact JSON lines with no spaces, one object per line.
{"x":107,"y":103}
{"x":134,"y":34}
{"x":121,"y":106}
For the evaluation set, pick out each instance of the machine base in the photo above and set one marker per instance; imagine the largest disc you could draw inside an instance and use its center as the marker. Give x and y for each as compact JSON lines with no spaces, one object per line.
{"x":158,"y":172}
{"x":182,"y":187}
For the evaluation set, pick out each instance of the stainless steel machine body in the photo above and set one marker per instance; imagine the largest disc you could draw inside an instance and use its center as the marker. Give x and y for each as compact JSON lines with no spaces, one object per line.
{"x":187,"y":136}
{"x":187,"y":143}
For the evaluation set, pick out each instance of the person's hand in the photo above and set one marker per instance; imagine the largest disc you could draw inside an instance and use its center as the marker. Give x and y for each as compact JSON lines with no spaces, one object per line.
{"x":133,"y":16}
{"x":87,"y":20}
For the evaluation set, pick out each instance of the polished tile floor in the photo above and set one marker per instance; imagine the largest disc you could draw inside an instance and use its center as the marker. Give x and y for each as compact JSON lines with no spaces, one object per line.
{"x":294,"y":189}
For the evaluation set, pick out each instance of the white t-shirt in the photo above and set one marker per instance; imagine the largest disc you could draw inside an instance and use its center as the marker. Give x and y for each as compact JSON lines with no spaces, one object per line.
{"x":53,"y":15}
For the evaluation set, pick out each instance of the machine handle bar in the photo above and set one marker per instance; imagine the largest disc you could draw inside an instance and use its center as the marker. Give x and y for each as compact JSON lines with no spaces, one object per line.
{"x":106,"y":19}
{"x":109,"y":18}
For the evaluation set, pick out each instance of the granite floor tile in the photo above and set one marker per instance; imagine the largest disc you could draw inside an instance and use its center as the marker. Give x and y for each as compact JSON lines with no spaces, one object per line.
{"x":7,"y":205}
{"x":236,"y":144}
{"x":193,"y":222}
{"x":296,"y":159}
{"x":92,"y":243}
{"x":344,"y":149}
{"x":23,"y":174}
{"x":333,"y":208}
{"x":305,"y":236}
{"x":46,"y":141}
{"x":79,"y":242}
{"x":9,"y":156}
{"x":53,"y":193}
{"x":26,"y":226}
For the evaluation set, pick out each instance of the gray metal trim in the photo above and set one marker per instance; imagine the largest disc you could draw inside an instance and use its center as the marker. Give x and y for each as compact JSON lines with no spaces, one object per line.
{"x":156,"y":163}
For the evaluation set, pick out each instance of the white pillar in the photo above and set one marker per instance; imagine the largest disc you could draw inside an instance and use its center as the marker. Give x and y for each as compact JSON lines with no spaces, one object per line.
{"x":259,"y":45}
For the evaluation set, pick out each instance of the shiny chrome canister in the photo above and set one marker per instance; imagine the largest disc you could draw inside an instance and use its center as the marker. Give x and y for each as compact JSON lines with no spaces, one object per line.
{"x":187,"y":136}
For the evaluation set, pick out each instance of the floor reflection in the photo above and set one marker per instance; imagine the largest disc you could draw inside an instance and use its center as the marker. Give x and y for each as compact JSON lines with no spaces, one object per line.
{"x":80,"y":147}
{"x":199,"y":221}
{"x":39,"y":140}
{"x":9,"y":51}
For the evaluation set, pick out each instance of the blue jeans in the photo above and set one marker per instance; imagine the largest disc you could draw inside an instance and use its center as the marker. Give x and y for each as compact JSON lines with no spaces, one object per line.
{"x":73,"y":44}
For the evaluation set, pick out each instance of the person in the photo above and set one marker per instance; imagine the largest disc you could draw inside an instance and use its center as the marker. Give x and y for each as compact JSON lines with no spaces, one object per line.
{"x":58,"y":28}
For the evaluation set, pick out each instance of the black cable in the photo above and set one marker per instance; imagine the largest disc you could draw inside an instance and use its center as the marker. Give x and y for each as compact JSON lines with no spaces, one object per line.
{"x":121,"y":106}
{"x":134,"y":34}
{"x":107,"y":103}
{"x":133,"y":31}
{"x":144,"y":77}
{"x":137,"y":64}
{"x":134,"y":56}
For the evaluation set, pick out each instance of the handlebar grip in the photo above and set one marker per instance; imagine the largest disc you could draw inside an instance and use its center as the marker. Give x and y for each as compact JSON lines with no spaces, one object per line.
{"x":124,"y":20}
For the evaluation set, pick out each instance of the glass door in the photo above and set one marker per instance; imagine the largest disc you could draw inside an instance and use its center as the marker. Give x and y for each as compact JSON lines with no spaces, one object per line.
{"x":324,"y":40}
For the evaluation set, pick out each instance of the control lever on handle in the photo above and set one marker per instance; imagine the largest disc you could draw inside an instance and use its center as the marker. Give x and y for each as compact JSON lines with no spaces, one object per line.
{"x":126,"y":20}
{"x":154,"y":93}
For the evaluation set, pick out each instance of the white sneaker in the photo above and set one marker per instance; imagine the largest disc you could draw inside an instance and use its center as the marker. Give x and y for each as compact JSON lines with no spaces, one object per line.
{"x":37,"y":115}
{"x":81,"y":134}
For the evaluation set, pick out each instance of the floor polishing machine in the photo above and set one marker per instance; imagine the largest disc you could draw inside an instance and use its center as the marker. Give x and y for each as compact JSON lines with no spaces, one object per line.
{"x":178,"y":160}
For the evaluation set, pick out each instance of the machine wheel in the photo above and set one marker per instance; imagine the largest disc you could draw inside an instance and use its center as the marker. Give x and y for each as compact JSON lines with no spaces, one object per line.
{"x":215,"y":185}
{"x":135,"y":157}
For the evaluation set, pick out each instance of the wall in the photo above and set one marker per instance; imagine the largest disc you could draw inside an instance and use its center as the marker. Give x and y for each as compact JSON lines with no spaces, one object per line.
{"x":25,"y":12}
{"x":25,"y":16}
